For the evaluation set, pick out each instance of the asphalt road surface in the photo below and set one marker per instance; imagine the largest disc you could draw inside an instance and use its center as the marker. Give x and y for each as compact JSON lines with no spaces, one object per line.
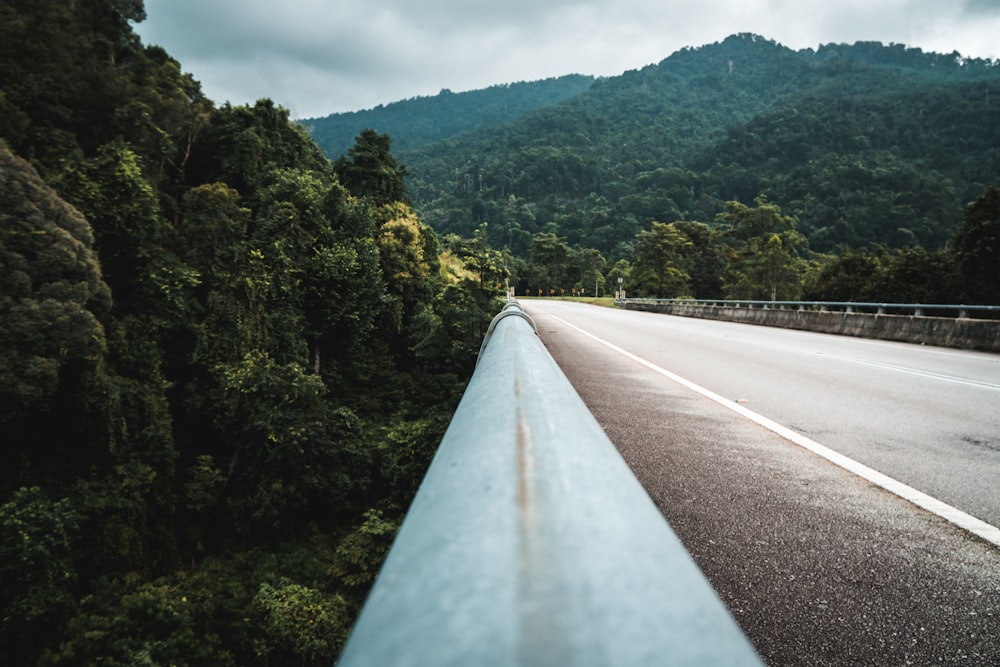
{"x":818,"y":565}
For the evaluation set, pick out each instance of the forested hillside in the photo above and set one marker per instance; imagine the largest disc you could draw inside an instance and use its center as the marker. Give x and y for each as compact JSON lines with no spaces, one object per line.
{"x":862,"y":144}
{"x":740,"y":169}
{"x":420,"y":121}
{"x":224,"y":361}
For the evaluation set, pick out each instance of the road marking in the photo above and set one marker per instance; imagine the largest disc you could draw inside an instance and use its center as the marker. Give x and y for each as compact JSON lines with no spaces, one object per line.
{"x":952,"y":514}
{"x":913,"y":371}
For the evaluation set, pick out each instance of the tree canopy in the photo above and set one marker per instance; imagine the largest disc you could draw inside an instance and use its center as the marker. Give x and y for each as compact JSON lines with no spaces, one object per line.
{"x":225,"y":361}
{"x":868,"y":147}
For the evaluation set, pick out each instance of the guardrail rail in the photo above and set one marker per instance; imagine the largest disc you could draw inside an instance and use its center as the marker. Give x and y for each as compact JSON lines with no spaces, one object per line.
{"x":530,"y":542}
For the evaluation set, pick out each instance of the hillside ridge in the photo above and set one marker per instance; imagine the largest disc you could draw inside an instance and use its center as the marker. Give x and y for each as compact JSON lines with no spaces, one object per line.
{"x":418,"y":121}
{"x":862,"y":143}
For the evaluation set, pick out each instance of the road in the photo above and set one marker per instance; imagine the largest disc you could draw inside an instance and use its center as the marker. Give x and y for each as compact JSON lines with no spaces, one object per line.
{"x":818,"y":565}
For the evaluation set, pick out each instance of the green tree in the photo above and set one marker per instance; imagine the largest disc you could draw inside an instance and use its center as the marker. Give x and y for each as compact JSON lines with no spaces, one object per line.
{"x":213,"y":225}
{"x":976,"y":247}
{"x":240,"y":145}
{"x":549,"y":262}
{"x":848,"y":276}
{"x":408,"y":256}
{"x":60,"y":58}
{"x":662,"y":260}
{"x":590,"y":265}
{"x":915,"y":275}
{"x":53,"y":299}
{"x":707,"y":260}
{"x":112,"y":191}
{"x":63,"y":354}
{"x":139,"y":623}
{"x":360,"y":554}
{"x":293,"y":451}
{"x":38,"y":570}
{"x":766,"y":252}
{"x":371,"y":171}
{"x":300,"y":625}
{"x":490,"y":263}
{"x":619,"y":276}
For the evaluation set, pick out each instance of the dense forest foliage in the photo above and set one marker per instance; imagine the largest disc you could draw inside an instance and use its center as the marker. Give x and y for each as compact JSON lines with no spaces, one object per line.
{"x":225,"y":361}
{"x":419,"y":121}
{"x":860,"y":150}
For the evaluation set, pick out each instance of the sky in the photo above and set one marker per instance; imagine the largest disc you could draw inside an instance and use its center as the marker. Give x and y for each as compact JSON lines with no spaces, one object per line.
{"x":317,"y":57}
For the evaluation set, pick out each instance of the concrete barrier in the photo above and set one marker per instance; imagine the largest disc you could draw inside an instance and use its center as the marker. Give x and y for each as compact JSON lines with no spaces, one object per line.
{"x":962,"y":333}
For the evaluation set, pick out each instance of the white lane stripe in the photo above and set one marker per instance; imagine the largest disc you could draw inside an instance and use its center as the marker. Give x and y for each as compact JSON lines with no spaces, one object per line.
{"x":913,"y":371}
{"x":956,"y":516}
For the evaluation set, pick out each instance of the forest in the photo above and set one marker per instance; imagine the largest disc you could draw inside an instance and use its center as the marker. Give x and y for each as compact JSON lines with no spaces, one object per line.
{"x":420,"y":121}
{"x":225,"y":360}
{"x":739,"y":169}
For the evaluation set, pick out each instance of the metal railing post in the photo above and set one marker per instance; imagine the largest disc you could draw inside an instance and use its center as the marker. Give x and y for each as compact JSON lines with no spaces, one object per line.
{"x":530,"y":542}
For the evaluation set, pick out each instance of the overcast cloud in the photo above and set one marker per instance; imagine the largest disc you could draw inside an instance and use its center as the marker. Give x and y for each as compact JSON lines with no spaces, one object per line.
{"x":317,"y":57}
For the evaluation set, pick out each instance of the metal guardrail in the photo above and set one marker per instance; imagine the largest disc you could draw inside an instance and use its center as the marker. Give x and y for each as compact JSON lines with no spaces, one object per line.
{"x":916,"y":309}
{"x":530,"y":542}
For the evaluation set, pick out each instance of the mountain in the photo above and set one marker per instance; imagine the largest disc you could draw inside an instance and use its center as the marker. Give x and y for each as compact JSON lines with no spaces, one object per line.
{"x":419,"y":121}
{"x":862,"y":143}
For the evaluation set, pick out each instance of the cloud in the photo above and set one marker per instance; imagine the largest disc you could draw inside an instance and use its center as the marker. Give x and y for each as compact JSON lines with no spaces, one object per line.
{"x":320,"y":56}
{"x":981,"y":7}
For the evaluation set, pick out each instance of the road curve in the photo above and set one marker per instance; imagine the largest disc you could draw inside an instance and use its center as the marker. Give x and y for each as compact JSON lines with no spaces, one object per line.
{"x":818,"y":566}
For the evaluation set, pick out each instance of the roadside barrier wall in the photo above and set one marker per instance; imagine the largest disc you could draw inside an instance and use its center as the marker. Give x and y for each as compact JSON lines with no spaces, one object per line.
{"x":966,"y":333}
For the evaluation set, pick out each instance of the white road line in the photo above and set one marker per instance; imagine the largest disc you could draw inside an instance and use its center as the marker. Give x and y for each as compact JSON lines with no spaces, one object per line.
{"x":954,"y":515}
{"x":913,"y":371}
